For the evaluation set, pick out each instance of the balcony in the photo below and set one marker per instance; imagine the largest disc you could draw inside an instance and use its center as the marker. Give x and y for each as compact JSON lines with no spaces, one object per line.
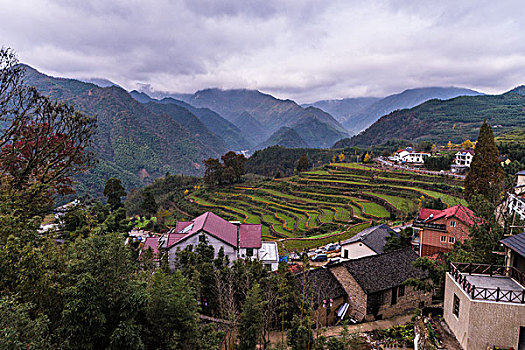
{"x":490,"y":282}
{"x":436,"y":227}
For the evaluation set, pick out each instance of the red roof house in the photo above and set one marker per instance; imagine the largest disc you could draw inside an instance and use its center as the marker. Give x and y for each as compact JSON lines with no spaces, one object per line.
{"x":237,"y":240}
{"x":436,"y":231}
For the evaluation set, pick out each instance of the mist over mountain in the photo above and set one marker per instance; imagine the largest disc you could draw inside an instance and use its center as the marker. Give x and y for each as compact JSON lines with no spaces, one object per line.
{"x":440,"y":121}
{"x":406,"y":99}
{"x":345,"y":108}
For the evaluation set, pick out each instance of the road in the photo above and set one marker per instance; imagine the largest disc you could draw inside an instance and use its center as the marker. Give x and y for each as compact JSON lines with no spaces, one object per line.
{"x":416,"y":170}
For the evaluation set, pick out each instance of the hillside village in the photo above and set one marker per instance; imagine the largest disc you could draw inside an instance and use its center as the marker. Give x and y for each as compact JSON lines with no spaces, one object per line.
{"x":385,"y":271}
{"x":231,"y":219}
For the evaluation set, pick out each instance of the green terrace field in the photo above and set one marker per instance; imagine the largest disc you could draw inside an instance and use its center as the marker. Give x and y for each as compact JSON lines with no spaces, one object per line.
{"x":326,"y":204}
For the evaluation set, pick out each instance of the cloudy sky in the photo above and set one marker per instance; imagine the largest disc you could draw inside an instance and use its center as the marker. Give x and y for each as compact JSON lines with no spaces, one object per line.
{"x":300,"y":49}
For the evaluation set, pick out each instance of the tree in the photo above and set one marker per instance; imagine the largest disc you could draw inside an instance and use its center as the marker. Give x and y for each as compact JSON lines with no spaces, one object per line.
{"x":366,"y":158}
{"x":236,"y":163}
{"x":113,"y":191}
{"x":213,"y":172}
{"x":251,"y":319}
{"x":395,"y":241}
{"x":467,"y":144}
{"x":341,"y":158}
{"x":486,"y":175}
{"x":19,"y":329}
{"x":449,"y":145}
{"x":433,"y":149}
{"x":42,"y":143}
{"x":149,"y":205}
{"x":303,"y":163}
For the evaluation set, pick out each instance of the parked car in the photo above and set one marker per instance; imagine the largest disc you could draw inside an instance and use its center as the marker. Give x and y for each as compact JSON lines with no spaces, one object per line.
{"x":320,"y":257}
{"x":332,"y":247}
{"x":320,"y":251}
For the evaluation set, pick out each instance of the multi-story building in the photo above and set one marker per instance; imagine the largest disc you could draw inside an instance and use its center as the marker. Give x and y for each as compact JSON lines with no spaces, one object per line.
{"x":516,"y":198}
{"x":436,"y":231}
{"x":464,"y":158}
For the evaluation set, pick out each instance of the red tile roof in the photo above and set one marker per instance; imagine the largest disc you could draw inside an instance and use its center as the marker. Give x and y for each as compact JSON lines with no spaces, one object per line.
{"x":153,"y":243}
{"x":174,"y":238}
{"x":250,"y":236}
{"x":459,"y":211}
{"x":181,"y":225}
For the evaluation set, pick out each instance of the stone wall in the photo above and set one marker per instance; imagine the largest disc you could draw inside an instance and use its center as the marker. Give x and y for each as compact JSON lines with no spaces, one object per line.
{"x":406,"y":303}
{"x":356,"y":295}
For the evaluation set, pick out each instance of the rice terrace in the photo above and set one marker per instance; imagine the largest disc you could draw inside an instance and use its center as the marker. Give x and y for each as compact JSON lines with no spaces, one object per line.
{"x":328,"y":204}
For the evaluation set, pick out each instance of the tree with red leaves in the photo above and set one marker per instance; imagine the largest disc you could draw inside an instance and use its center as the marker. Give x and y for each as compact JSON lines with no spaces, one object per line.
{"x":43,"y":143}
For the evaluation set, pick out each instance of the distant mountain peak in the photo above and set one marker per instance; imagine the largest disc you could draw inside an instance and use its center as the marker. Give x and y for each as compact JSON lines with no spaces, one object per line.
{"x":520,"y":90}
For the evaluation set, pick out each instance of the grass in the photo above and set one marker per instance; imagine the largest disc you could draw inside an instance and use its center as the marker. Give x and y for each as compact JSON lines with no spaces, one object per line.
{"x":373,"y":209}
{"x":300,"y":245}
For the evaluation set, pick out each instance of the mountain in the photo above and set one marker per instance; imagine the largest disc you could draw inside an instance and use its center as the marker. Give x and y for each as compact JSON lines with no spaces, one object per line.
{"x":344,"y":108}
{"x":100,"y":82}
{"x":133,"y":142}
{"x":407,"y":99}
{"x":240,"y":106}
{"x":285,"y":137}
{"x":232,"y":135}
{"x":440,"y":121}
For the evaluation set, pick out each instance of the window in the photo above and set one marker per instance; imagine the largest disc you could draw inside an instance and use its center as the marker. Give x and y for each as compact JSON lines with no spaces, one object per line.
{"x":249,"y":251}
{"x":345,"y":253}
{"x":401,"y":291}
{"x":451,"y":240}
{"x":452,"y":224}
{"x":444,"y":239}
{"x":455,"y":306}
{"x":394,"y":296}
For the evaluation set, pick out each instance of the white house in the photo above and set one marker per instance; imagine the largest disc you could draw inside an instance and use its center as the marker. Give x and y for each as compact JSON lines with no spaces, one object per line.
{"x":516,"y":198}
{"x":409,"y":156}
{"x":464,"y":158}
{"x":370,"y":241}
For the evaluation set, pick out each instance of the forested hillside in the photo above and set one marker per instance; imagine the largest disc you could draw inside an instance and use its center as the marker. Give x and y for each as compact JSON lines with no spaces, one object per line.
{"x":406,"y":99}
{"x":271,"y":113}
{"x":453,"y":120}
{"x":133,"y":142}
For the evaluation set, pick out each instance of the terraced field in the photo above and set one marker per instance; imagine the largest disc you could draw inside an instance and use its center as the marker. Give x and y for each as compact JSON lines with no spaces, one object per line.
{"x":328,"y":200}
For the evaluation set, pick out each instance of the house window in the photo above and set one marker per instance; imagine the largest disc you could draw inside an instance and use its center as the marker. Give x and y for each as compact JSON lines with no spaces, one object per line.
{"x":451,"y":240}
{"x":443,"y":239}
{"x":249,"y":251}
{"x":345,"y":254}
{"x":455,"y":306}
{"x":394,"y":296}
{"x":401,"y":291}
{"x":452,"y":224}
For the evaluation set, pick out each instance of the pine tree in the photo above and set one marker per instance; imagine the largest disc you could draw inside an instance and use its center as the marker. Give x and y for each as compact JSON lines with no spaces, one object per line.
{"x":486,"y":175}
{"x":149,"y":205}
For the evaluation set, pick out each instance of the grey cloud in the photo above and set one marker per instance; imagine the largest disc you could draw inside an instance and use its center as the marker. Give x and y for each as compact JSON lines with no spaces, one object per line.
{"x":299,"y":49}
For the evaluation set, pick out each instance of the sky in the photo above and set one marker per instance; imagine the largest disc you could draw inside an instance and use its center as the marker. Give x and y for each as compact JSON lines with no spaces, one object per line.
{"x":305,"y":50}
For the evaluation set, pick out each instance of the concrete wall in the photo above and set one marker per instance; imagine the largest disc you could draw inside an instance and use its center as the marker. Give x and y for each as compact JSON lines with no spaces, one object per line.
{"x":482,"y":323}
{"x":356,"y":250}
{"x":194,"y":240}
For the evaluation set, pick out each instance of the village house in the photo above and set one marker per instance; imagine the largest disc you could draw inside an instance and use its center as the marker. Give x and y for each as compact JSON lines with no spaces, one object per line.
{"x":374,"y":285}
{"x":484,"y":305}
{"x":327,"y":294}
{"x":516,"y":198}
{"x":408,"y":155}
{"x":462,"y":160}
{"x":515,"y":251}
{"x":436,"y":231}
{"x":370,"y":241}
{"x":238,"y":241}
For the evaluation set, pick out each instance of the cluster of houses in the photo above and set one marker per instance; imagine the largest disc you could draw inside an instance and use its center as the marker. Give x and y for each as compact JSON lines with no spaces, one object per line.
{"x":461,"y":163}
{"x":484,"y":305}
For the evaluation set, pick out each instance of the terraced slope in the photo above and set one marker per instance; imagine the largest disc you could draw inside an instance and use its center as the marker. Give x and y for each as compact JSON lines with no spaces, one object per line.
{"x":327,"y":200}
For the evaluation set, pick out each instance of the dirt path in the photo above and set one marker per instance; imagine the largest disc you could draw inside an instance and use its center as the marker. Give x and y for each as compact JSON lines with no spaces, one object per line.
{"x":275,"y":337}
